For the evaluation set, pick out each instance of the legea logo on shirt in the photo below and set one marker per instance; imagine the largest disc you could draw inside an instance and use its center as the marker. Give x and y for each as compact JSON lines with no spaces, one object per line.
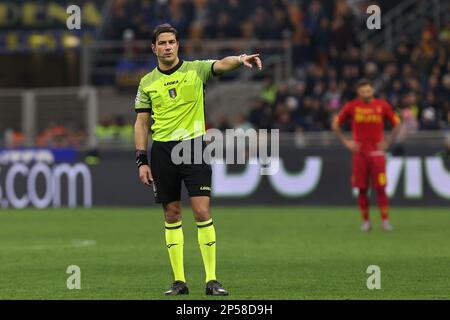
{"x":173,"y":93}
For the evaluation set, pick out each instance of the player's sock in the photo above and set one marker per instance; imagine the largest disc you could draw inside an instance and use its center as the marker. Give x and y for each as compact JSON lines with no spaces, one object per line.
{"x":363,"y":202}
{"x":207,"y":243}
{"x":383,"y":203}
{"x":175,"y":243}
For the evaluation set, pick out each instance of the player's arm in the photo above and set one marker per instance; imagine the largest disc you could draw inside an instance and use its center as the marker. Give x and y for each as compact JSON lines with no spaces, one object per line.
{"x":234,"y":62}
{"x":336,"y":126}
{"x":395,"y":121}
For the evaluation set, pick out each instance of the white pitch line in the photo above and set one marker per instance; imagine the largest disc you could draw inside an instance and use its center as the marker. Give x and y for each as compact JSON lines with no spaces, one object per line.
{"x":72,"y":244}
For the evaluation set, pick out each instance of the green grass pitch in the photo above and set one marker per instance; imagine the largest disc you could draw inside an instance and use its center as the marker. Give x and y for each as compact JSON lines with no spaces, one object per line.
{"x":263,"y":253}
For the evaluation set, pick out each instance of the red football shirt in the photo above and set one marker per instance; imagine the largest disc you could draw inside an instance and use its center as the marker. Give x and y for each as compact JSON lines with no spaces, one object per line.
{"x":367,"y":120}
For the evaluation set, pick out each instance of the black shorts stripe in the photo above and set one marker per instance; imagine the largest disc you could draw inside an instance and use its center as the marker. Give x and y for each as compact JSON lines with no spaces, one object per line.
{"x":206,"y":225}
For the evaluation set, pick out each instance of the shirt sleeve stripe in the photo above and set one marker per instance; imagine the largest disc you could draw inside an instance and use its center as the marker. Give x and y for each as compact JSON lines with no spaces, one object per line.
{"x":212,"y":69}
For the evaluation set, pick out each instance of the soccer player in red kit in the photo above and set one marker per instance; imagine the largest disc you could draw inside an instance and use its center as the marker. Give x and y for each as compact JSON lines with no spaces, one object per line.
{"x":367,"y":115}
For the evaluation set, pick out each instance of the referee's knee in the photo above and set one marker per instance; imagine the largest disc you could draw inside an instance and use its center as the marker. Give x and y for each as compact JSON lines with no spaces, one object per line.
{"x":172,"y":212}
{"x":201,"y":213}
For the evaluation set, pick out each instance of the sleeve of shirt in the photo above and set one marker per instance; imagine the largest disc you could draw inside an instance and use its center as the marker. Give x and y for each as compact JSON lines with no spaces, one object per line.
{"x":142,"y":103}
{"x":390,"y":115}
{"x":205,"y":69}
{"x":345,"y":114}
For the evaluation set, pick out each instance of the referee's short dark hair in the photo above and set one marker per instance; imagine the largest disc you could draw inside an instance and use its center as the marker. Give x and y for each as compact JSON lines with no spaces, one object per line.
{"x":363,"y":82}
{"x":163,"y":28}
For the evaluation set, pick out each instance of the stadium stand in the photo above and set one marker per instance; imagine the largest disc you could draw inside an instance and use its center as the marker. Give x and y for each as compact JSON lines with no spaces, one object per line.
{"x":327,"y":57}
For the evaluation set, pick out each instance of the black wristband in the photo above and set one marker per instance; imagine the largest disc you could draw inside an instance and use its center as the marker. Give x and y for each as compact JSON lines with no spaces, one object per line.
{"x":141,"y":158}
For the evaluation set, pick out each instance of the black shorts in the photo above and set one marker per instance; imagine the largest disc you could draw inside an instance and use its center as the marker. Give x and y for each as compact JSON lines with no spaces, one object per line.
{"x":168,"y":174}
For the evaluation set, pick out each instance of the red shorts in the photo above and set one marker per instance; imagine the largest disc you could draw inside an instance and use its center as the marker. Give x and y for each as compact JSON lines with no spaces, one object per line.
{"x":369,"y":167}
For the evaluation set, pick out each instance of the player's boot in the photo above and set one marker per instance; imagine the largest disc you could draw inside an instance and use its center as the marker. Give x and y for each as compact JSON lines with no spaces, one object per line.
{"x":386,"y":226}
{"x":178,"y":288}
{"x":214,"y":288}
{"x":366,"y":226}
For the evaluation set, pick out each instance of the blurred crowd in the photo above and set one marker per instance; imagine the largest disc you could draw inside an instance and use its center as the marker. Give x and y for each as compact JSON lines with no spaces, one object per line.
{"x":206,"y":19}
{"x":53,"y":136}
{"x":327,"y":58}
{"x":115,"y":130}
{"x":415,"y":79}
{"x":225,"y":19}
{"x":111,"y":131}
{"x":327,"y":61}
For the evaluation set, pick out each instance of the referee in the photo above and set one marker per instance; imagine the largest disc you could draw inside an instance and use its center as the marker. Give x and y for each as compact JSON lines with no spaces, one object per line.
{"x":172,"y":94}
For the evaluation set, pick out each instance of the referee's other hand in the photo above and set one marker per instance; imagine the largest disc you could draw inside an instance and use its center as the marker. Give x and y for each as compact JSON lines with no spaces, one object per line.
{"x":145,"y":174}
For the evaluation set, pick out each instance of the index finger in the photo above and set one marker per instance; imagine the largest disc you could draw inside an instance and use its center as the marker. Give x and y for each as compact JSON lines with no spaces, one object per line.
{"x":144,"y":181}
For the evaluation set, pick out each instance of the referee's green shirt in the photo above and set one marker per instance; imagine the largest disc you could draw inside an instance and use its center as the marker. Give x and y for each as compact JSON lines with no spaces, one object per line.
{"x":175,"y":99}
